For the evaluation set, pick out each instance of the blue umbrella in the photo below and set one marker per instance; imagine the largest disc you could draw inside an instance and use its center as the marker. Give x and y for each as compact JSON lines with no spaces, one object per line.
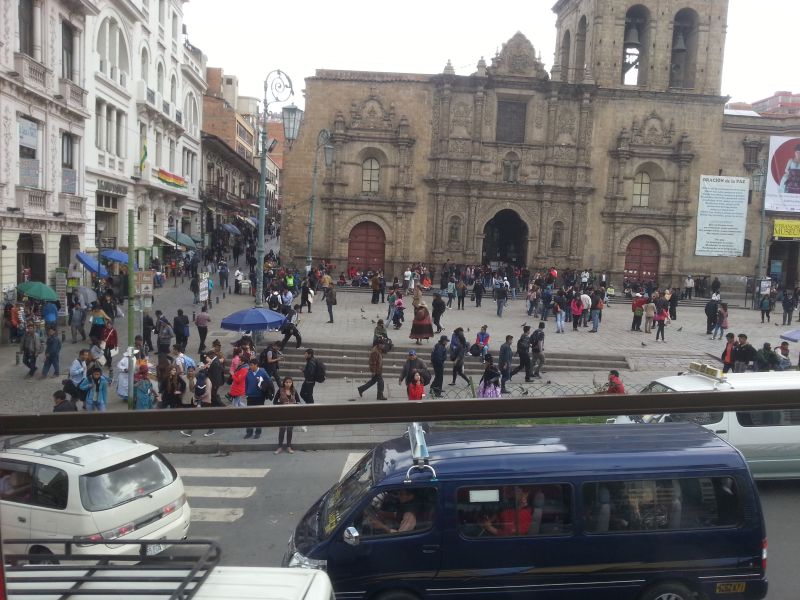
{"x":230,"y":228}
{"x":254,"y":221}
{"x":253,"y":319}
{"x":90,"y":262}
{"x":115,"y":256}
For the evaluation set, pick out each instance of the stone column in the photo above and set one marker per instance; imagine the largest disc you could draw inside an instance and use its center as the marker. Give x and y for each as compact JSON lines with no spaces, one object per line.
{"x":472,"y":210}
{"x":122,"y":138}
{"x":101,"y":127}
{"x":111,"y":146}
{"x":438,"y":221}
{"x":37,"y":30}
{"x":76,"y":57}
{"x":113,"y":53}
{"x":543,"y":220}
{"x":575,"y":227}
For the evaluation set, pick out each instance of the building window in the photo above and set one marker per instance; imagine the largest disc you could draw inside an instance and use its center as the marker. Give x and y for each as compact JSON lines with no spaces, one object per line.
{"x":566,"y":44}
{"x":748,"y":244}
{"x":67,"y":158}
{"x":28,"y":153}
{"x":174,"y":26}
{"x":511,"y":122}
{"x":557,"y":240}
{"x":454,"y":235}
{"x":67,"y":51}
{"x":173,"y":89}
{"x":26,"y":27}
{"x":162,"y":11}
{"x":370,"y":176}
{"x":641,"y":190}
{"x":145,"y":67}
{"x":635,"y":52}
{"x":160,"y":79}
{"x":684,"y":49}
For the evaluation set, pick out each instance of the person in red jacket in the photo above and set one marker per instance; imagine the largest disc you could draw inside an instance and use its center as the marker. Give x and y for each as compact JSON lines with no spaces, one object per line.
{"x":416,"y":389}
{"x":238,"y":386}
{"x":615,"y":385}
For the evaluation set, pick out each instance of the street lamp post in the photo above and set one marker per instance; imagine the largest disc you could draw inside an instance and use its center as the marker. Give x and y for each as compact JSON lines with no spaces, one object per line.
{"x":323,"y":138}
{"x":279,"y":86}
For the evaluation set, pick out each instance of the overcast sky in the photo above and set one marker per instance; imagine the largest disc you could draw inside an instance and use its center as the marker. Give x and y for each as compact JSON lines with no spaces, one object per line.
{"x":249,"y":38}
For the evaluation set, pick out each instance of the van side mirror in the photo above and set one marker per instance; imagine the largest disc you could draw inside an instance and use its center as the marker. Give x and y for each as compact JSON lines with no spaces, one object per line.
{"x":352,"y":537}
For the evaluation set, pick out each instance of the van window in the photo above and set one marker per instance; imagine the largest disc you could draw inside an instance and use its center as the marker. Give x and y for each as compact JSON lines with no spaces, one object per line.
{"x":768,"y":418}
{"x":514,"y":510}
{"x":399,"y":511}
{"x":346,"y":494}
{"x":15,"y":482}
{"x":663,"y":504}
{"x":124,"y":482}
{"x":50,"y":487}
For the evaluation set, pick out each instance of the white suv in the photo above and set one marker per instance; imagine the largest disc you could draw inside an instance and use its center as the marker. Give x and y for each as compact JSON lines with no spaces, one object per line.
{"x":89,"y":488}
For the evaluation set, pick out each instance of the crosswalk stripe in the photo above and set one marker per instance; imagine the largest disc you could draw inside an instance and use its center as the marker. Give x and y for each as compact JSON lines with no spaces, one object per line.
{"x":217,"y":515}
{"x":221,"y":472}
{"x":352,"y":459}
{"x":221,"y":491}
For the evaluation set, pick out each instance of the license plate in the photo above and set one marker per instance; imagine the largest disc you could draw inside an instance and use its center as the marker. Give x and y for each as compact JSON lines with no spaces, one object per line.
{"x":153,"y":549}
{"x":730,"y":588}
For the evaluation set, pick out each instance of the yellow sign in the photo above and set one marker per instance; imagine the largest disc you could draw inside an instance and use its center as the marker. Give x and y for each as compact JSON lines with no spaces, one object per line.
{"x":786,"y":229}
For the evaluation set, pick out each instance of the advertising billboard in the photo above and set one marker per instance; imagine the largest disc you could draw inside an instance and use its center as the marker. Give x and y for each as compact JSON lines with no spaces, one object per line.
{"x":721,"y":215}
{"x":783,"y":175}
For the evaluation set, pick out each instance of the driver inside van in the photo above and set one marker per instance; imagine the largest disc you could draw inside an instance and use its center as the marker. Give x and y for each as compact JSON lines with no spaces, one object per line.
{"x":398,"y":519}
{"x":512,"y":521}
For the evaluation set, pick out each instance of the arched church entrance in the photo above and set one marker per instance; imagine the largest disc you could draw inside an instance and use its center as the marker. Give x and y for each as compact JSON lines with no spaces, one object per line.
{"x":505,"y":238}
{"x":366,"y":250}
{"x":642,"y":258}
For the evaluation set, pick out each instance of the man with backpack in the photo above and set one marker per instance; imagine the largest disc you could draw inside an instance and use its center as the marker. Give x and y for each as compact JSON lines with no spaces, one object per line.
{"x":313,"y":373}
{"x":537,"y":350}
{"x":438,"y":359}
{"x":523,"y":351}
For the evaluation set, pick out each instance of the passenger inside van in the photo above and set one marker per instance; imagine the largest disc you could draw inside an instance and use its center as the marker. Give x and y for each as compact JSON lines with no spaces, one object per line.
{"x":400,"y":511}
{"x":515,"y":520}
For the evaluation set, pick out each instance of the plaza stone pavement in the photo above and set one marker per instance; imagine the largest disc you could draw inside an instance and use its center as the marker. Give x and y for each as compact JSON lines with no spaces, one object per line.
{"x":353,"y":315}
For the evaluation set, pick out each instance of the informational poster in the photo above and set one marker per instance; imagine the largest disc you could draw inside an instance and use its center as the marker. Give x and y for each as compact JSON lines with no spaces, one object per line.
{"x":144,"y":283}
{"x":786,"y":229}
{"x":61,"y":290}
{"x":722,"y":215}
{"x":203,"y":287}
{"x":764,"y":286}
{"x":783,"y":175}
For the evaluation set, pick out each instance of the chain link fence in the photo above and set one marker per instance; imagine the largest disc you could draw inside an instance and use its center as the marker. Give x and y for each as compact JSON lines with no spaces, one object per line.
{"x":540,"y":388}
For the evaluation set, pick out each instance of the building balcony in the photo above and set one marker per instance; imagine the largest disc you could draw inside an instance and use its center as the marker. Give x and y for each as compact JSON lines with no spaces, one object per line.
{"x":32,"y":201}
{"x":74,"y":207}
{"x":33,"y":73}
{"x":73,"y":94}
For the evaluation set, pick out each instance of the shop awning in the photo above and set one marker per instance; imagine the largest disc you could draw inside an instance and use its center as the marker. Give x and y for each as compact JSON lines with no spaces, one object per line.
{"x":164,"y":241}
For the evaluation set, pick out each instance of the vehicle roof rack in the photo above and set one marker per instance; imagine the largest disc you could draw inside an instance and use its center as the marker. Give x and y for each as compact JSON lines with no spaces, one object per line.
{"x":419,"y":451}
{"x":177,"y":573}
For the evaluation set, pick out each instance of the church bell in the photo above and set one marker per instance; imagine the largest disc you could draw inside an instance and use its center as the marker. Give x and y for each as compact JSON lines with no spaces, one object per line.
{"x":680,"y":43}
{"x":632,"y":37}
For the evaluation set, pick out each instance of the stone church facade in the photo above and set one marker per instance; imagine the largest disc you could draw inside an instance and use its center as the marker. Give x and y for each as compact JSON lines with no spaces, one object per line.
{"x":594,"y":164}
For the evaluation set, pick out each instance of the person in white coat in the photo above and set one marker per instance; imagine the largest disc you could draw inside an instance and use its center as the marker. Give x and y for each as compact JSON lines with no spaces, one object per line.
{"x":123,"y":385}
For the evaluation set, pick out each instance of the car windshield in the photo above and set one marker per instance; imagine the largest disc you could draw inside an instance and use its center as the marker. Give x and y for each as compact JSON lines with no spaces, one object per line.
{"x":125,"y":482}
{"x":342,"y":497}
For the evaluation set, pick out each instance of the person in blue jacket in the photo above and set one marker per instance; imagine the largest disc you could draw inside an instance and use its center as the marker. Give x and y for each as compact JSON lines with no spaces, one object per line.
{"x":96,"y":386}
{"x":50,"y":314}
{"x":257,"y":387}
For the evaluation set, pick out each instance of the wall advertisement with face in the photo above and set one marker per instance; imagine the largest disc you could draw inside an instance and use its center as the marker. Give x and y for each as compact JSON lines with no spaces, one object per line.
{"x":783,"y":175}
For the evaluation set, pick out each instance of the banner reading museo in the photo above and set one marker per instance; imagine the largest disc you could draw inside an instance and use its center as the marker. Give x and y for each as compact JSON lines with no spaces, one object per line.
{"x":722,"y":215}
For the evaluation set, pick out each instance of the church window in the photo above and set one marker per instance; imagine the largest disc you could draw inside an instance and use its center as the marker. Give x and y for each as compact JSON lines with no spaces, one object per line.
{"x":635,"y":58}
{"x":580,"y":51}
{"x":684,"y":49}
{"x":641,"y":190}
{"x":565,"y":47}
{"x":370,"y":176}
{"x":557,"y":239}
{"x":454,"y":233}
{"x":511,"y":122}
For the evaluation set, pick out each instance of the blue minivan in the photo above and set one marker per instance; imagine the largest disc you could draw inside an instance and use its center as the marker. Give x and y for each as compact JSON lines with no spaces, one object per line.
{"x":551,"y":512}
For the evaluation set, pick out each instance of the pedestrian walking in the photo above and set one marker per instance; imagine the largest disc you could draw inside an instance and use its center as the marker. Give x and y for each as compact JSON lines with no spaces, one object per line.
{"x":673,"y":304}
{"x":662,"y":314}
{"x":438,"y":306}
{"x":438,"y":359}
{"x":306,"y":295}
{"x":171,"y":387}
{"x":523,"y":351}
{"x":180,"y":326}
{"x":416,"y":389}
{"x":96,"y":387}
{"x":576,"y":309}
{"x":728,"y":353}
{"x":258,"y":388}
{"x":413,"y":365}
{"x":376,"y":369}
{"x":461,"y":294}
{"x":31,"y":347}
{"x":98,"y":320}
{"x":52,"y":350}
{"x":77,"y":322}
{"x":489,"y":384}
{"x":330,"y":302}
{"x":478,"y":290}
{"x":201,"y":390}
{"x":789,"y":303}
{"x":215,"y":371}
{"x":765,"y":306}
{"x":309,"y":376}
{"x":743,"y":355}
{"x":722,"y":321}
{"x":501,"y":296}
{"x":506,"y":356}
{"x":202,"y":322}
{"x":286,"y":394}
{"x":148,"y":326}
{"x":223,"y":275}
{"x":458,"y":350}
{"x":597,"y":309}
{"x":143,"y":393}
{"x":451,"y":292}
{"x":711,"y":309}
{"x":421,"y":326}
{"x":108,"y":344}
{"x":124,"y":366}
{"x":537,"y":351}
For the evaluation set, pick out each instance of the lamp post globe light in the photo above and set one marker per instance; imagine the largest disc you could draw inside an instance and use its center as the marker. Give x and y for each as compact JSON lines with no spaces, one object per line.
{"x":323,"y":139}
{"x":277,"y":88}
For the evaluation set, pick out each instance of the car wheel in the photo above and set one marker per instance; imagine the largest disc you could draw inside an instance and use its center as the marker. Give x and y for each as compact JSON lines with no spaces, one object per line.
{"x":668,"y":591}
{"x":42,"y":556}
{"x":398,"y":595}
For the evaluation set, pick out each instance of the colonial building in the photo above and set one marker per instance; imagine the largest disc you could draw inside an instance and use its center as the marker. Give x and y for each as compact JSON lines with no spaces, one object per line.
{"x":145,"y":87}
{"x":43,"y":113}
{"x":596,"y":163}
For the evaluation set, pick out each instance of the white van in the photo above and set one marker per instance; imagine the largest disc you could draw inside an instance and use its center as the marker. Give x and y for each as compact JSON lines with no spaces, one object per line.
{"x":89,"y":488}
{"x":768,"y":439}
